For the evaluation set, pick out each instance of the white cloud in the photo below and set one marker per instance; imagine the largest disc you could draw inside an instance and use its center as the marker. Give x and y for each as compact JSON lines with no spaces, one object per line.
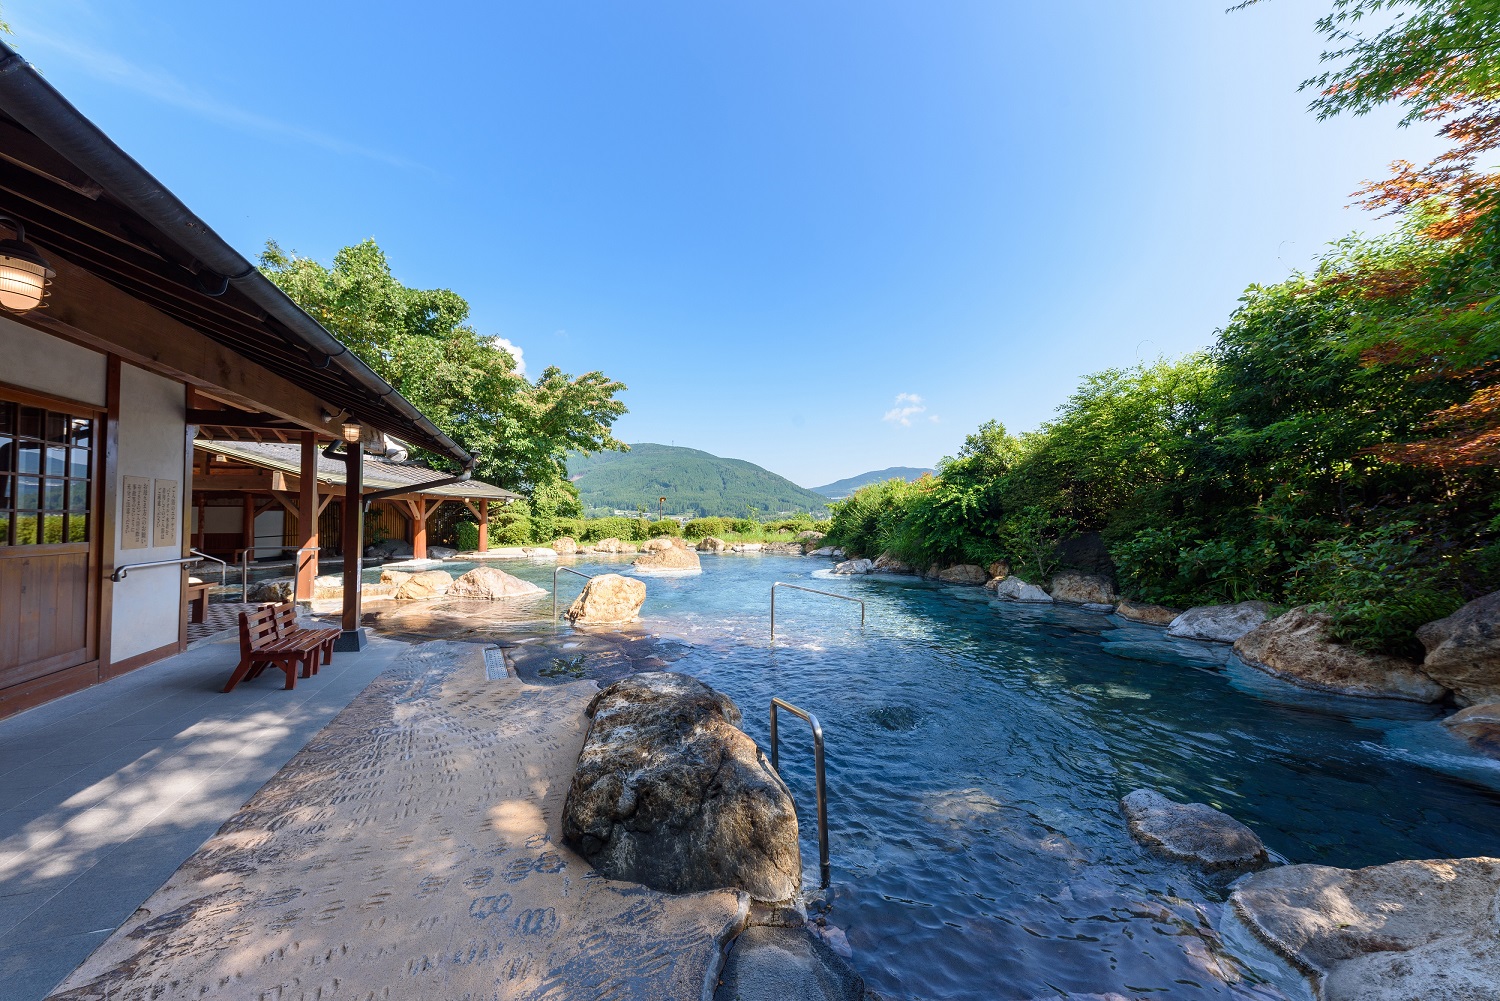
{"x":504,"y":345}
{"x":908,"y":405}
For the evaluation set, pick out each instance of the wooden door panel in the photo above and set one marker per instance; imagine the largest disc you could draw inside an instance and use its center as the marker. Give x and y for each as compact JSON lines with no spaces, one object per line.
{"x":44,"y":600}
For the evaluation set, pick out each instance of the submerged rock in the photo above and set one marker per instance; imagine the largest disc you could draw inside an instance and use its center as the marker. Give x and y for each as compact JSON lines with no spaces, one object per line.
{"x":492,"y":583}
{"x":608,"y":599}
{"x":1083,"y":588}
{"x":670,"y":558}
{"x":1407,"y":931}
{"x":1463,"y":651}
{"x":1219,"y":623}
{"x":712,"y":545}
{"x":427,"y":584}
{"x":565,"y":546}
{"x":854,"y":567}
{"x":786,"y":964}
{"x":669,"y":793}
{"x":1017,"y":589}
{"x":964,"y":573}
{"x":1192,"y":832}
{"x":1295,"y":646}
{"x":1151,"y":615}
{"x":1480,"y":726}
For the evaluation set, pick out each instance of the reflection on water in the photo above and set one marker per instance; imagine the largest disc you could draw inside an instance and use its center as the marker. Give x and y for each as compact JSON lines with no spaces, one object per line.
{"x":976,"y":755}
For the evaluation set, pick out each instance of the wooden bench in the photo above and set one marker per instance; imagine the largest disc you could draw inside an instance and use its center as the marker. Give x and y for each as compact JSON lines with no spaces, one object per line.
{"x":197,"y":599}
{"x":262,"y":645}
{"x":287,"y":627}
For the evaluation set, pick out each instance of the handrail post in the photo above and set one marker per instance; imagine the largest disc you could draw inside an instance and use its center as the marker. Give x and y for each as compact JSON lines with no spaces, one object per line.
{"x":824,"y":870}
{"x":245,"y":574}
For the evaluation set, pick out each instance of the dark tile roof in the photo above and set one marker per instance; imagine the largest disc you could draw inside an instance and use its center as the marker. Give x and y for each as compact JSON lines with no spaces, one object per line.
{"x":380,"y":473}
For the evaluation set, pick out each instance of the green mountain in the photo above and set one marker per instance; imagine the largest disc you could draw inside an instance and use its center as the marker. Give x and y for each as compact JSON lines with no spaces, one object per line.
{"x":840,"y":489}
{"x":693,"y":482}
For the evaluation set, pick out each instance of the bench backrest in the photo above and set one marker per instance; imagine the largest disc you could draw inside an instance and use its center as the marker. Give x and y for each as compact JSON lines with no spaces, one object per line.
{"x":257,"y":628}
{"x":286,"y":617}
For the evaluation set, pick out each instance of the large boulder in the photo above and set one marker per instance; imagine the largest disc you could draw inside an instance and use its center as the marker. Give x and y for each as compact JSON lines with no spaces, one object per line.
{"x":492,"y":583}
{"x":854,"y":567}
{"x":608,"y":599}
{"x":1152,"y":615}
{"x":1463,"y":651}
{"x":611,"y":545}
{"x":669,"y":558}
{"x":391,"y":549}
{"x":276,"y":589}
{"x":886,"y":563}
{"x":1195,"y":833}
{"x":441,"y":553}
{"x":712,"y":545}
{"x":811,"y":536}
{"x":660,"y":542}
{"x":1083,"y":588}
{"x":1017,"y":589}
{"x":826,"y":551}
{"x":427,"y":584}
{"x":1219,"y":623}
{"x":669,"y":793}
{"x":565,"y":546}
{"x":396,"y":577}
{"x":1406,"y":931}
{"x":964,"y":573}
{"x":1480,"y":726}
{"x":328,"y":586}
{"x":1295,"y":646}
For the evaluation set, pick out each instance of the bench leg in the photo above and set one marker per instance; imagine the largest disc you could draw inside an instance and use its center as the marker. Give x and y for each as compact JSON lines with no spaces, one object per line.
{"x":240,"y":671}
{"x":289,"y":665}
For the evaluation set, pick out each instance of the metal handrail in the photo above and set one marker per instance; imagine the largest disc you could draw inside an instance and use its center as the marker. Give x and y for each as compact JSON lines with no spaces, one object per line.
{"x":223,"y":567}
{"x":809,"y":590}
{"x":560,"y":569}
{"x":121,"y":573}
{"x":817,"y":731}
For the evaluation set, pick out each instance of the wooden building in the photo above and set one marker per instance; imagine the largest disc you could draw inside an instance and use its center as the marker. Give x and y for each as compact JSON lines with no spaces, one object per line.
{"x":149,"y":325}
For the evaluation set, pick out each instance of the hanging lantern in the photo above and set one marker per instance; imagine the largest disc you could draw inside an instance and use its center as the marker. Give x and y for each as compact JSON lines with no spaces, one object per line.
{"x":24,"y":273}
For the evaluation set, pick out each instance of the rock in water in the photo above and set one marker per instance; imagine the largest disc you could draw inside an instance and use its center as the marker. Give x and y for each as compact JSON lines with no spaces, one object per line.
{"x":1480,"y":726}
{"x":669,"y":793}
{"x":660,"y":542}
{"x":610,"y":545}
{"x":441,"y":553}
{"x":396,"y":577}
{"x":964,"y":573}
{"x":608,"y":599}
{"x":490,"y":582}
{"x":1407,"y":931}
{"x":854,"y":567}
{"x":712,"y":545}
{"x":1295,"y":646}
{"x":786,"y":964}
{"x":1219,"y":623}
{"x":1154,"y":615}
{"x":427,"y":584}
{"x":275,"y":589}
{"x":886,"y":563}
{"x":1017,"y":589}
{"x":1192,"y":832}
{"x":668,"y":558}
{"x":565,"y":546}
{"x":1463,"y":651}
{"x":1083,"y":588}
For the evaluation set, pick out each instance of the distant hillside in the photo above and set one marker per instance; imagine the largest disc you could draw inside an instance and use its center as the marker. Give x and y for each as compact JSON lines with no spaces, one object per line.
{"x":843,"y":488}
{"x":693,"y":482}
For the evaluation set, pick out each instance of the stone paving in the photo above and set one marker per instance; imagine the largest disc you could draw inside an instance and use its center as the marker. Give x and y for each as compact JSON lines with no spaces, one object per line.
{"x":105,"y":792}
{"x":218,"y":617}
{"x":411,"y":850}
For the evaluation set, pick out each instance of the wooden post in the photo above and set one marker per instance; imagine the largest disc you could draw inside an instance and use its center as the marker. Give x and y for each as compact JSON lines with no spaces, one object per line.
{"x":484,"y":525}
{"x":307,"y":516}
{"x":247,"y":524}
{"x":353,"y":636}
{"x":418,"y":528}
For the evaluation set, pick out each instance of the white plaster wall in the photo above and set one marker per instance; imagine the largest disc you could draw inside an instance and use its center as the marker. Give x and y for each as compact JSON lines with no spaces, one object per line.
{"x":148,"y":602}
{"x":37,"y":361}
{"x":270,"y":530}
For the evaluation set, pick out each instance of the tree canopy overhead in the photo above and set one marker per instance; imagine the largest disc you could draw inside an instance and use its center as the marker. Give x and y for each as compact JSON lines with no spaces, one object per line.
{"x":421,"y":342}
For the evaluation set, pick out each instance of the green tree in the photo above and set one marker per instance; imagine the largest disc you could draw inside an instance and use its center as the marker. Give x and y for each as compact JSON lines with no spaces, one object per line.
{"x":421,"y":342}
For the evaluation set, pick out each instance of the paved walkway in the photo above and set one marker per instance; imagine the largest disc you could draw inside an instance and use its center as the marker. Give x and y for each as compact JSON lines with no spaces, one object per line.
{"x":104,"y":793}
{"x":412,"y":851}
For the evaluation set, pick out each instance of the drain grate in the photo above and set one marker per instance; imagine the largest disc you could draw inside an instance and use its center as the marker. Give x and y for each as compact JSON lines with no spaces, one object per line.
{"x":495,"y":668}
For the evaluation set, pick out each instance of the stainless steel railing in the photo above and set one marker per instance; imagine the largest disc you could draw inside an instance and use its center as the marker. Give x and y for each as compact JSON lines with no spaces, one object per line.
{"x":120,"y":573}
{"x":817,"y":731}
{"x":555,"y":572}
{"x":809,"y":590}
{"x":223,"y":567}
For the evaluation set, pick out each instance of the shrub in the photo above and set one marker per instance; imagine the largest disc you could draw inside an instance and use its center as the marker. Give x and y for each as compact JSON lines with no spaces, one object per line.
{"x":702,"y":528}
{"x":466,"y":536}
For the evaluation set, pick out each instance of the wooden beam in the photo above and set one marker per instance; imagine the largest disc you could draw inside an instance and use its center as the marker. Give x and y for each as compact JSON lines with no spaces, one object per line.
{"x":288,"y":501}
{"x":322,"y":504}
{"x":307,"y":527}
{"x":87,"y":310}
{"x":235,"y":418}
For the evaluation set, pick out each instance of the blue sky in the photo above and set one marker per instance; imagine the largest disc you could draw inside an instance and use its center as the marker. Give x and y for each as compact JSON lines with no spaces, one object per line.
{"x":824,"y":237}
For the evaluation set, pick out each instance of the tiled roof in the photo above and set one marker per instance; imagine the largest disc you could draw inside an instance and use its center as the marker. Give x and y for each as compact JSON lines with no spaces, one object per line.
{"x":379,"y":472}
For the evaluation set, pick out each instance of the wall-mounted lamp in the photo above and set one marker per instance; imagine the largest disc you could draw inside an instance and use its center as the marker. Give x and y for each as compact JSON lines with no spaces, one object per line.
{"x":352,"y":433}
{"x":24,"y":273}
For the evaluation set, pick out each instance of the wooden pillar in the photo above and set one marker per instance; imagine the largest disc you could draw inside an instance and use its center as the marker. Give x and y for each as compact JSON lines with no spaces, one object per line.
{"x":484,"y":526}
{"x":307,"y":516}
{"x":202,"y":527}
{"x":418,"y":528}
{"x":353,"y":636}
{"x":247,"y":524}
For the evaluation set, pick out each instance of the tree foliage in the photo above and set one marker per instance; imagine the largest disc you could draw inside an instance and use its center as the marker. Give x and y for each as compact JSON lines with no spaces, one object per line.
{"x":420,"y":341}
